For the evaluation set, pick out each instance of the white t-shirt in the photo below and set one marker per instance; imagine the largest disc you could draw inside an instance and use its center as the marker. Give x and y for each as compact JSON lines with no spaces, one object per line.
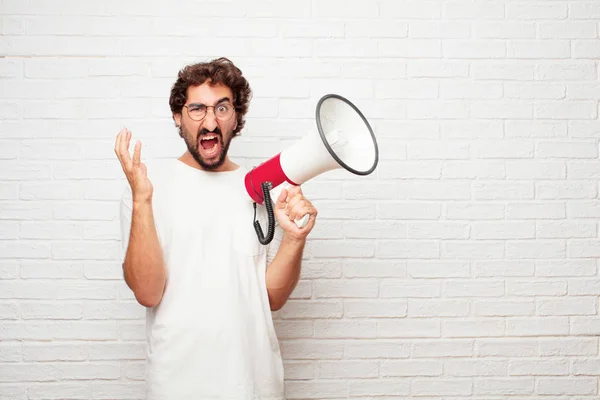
{"x":212,"y":334}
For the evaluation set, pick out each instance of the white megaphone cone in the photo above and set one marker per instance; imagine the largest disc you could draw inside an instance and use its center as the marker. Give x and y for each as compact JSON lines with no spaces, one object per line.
{"x":345,"y":140}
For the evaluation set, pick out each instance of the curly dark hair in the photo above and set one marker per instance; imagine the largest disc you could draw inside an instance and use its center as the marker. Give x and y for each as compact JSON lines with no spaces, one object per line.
{"x":217,"y":71}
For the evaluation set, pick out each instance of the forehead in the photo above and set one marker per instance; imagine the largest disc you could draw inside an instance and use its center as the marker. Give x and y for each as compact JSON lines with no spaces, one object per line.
{"x":208,"y":94}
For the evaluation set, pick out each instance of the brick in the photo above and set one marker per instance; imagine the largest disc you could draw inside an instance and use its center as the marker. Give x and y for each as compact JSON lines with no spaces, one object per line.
{"x":442,"y":150}
{"x":296,"y":309}
{"x":345,"y":329}
{"x":580,"y":287}
{"x":469,"y":288}
{"x":568,"y":347}
{"x":503,"y":308}
{"x":586,"y":367}
{"x":315,"y":389}
{"x":585,"y":326}
{"x":300,"y":370}
{"x":569,"y":386}
{"x":537,"y":10}
{"x":347,"y":369}
{"x":393,"y":288}
{"x":575,"y":306}
{"x":438,"y":269}
{"x":504,"y":386}
{"x":538,"y":368}
{"x":411,"y":9}
{"x":437,"y":308}
{"x":534,"y":91}
{"x":438,"y":29}
{"x":505,"y":268}
{"x":425,"y":249}
{"x":475,"y":368}
{"x":328,"y":288}
{"x":387,"y":349}
{"x":473,"y":10}
{"x":538,"y":49}
{"x":586,"y":49}
{"x":543,"y":326}
{"x":379,"y":387}
{"x":507,"y":347}
{"x":409,"y":328}
{"x":410,"y":368}
{"x":504,"y":30}
{"x":506,"y":230}
{"x":57,"y":391}
{"x":536,"y":288}
{"x":442,"y":348}
{"x":473,"y":211}
{"x":293,"y":329}
{"x":10,"y":352}
{"x":473,"y":49}
{"x":468,"y":328}
{"x":308,"y":349}
{"x":409,"y":210}
{"x":568,"y":268}
{"x":441,"y":387}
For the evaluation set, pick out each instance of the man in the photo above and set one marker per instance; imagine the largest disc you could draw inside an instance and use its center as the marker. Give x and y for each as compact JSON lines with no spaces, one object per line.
{"x":192,"y":256}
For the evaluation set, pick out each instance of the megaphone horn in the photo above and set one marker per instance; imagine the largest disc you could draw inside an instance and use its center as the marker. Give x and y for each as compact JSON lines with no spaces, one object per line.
{"x":345,"y":140}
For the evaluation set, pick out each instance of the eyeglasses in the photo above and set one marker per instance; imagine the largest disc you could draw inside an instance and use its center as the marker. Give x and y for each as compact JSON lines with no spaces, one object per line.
{"x":223,"y":111}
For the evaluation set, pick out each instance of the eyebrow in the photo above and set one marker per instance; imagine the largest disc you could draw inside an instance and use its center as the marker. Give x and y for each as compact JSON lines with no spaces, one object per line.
{"x":218,"y":102}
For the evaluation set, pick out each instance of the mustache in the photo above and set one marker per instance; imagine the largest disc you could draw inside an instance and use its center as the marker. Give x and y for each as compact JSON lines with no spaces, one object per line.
{"x":204,"y":131}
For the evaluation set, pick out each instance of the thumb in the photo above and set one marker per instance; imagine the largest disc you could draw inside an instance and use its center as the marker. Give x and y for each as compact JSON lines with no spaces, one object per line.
{"x":281,"y":199}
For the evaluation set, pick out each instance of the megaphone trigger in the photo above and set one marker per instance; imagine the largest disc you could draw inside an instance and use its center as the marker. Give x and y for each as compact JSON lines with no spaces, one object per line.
{"x":301,"y":223}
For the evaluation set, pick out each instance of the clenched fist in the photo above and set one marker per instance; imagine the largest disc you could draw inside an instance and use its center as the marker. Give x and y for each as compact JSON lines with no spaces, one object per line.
{"x":292,"y":205}
{"x":135,"y":170}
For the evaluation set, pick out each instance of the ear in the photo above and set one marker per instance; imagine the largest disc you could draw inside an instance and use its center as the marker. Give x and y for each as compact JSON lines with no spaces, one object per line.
{"x":177,"y":119}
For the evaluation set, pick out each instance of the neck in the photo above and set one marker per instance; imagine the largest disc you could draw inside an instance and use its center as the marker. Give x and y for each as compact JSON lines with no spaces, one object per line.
{"x":227,"y":165}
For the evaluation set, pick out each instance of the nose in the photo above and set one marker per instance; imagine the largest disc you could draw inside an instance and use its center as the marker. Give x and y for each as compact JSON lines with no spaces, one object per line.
{"x":210,"y":121}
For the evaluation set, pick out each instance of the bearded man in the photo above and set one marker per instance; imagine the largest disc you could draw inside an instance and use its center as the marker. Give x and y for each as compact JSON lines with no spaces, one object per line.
{"x":191,"y":255}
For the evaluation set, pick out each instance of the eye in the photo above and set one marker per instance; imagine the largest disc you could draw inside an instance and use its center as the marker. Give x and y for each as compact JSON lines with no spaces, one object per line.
{"x":222,"y":108}
{"x":197,"y":108}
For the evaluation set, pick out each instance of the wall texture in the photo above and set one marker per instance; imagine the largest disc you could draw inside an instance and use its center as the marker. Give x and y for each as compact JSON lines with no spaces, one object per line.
{"x":465,"y":267}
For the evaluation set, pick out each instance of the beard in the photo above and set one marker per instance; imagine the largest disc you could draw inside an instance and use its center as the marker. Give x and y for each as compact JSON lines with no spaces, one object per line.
{"x":193,"y":142}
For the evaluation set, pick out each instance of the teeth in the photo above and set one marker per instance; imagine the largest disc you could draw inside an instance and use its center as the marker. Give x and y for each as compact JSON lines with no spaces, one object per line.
{"x":208,"y":137}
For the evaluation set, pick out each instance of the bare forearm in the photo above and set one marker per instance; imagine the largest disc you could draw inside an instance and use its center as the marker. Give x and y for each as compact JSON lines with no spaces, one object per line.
{"x":144,"y":266}
{"x":284,"y":272}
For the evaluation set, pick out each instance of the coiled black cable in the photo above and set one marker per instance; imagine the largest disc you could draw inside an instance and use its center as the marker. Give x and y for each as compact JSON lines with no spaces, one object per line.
{"x":266,"y":187}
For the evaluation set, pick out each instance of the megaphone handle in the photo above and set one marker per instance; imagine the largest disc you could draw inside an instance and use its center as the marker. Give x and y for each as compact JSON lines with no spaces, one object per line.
{"x":301,"y":223}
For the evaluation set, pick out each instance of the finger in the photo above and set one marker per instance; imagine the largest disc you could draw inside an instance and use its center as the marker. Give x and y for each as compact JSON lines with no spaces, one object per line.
{"x":293,"y":191}
{"x":280,"y":203}
{"x":299,"y":209}
{"x":127,"y":139}
{"x":118,"y":141}
{"x":124,"y":148}
{"x":137,"y":153}
{"x":295,"y":200}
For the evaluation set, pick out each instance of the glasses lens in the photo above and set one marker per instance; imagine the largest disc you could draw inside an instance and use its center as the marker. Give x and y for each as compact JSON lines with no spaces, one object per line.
{"x":197,"y":112}
{"x":224,"y":111}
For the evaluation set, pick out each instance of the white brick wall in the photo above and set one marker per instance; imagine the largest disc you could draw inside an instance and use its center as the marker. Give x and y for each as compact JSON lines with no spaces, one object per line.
{"x":465,"y":267}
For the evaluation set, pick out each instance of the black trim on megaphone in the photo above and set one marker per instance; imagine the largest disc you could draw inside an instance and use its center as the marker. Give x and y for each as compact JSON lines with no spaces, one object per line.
{"x":324,"y":139}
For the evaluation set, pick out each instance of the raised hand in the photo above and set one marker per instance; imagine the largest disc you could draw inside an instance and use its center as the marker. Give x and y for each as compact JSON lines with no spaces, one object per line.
{"x":135,"y":170}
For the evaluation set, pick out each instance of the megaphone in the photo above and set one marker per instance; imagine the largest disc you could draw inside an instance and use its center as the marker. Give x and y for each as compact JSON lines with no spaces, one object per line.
{"x":345,"y":140}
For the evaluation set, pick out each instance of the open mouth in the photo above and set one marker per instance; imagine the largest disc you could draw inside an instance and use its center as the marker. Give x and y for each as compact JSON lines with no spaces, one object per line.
{"x":209,"y":145}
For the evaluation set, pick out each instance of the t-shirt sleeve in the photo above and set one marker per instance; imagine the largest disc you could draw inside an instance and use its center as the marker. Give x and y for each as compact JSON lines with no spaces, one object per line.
{"x":125,"y":213}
